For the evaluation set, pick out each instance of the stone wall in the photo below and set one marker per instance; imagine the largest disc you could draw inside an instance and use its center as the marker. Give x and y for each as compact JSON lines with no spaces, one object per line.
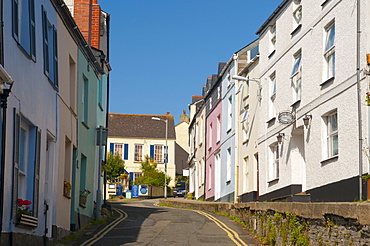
{"x":284,"y":223}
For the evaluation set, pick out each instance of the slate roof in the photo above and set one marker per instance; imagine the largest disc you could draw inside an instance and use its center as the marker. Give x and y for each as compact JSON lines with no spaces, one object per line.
{"x":140,"y":126}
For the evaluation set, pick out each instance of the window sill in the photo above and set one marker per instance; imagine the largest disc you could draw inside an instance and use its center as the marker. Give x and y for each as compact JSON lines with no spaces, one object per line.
{"x":271,"y":54}
{"x":85,"y":125}
{"x":273,"y":180}
{"x":101,"y":107}
{"x":329,"y":159}
{"x":271,"y":120}
{"x":296,"y":104}
{"x":327,"y":81}
{"x":228,"y":131}
{"x":245,"y":141}
{"x":297,"y":29}
{"x":218,"y":141}
{"x":324,"y":3}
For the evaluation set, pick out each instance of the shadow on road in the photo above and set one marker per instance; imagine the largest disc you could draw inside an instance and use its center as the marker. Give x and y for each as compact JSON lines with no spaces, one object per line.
{"x":128,"y":230}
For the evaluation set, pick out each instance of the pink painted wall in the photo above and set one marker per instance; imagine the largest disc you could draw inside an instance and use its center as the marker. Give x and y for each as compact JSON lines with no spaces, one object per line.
{"x":213,"y":141}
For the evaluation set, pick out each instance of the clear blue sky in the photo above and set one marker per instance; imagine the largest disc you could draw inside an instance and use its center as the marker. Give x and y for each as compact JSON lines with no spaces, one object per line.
{"x":162,"y":51}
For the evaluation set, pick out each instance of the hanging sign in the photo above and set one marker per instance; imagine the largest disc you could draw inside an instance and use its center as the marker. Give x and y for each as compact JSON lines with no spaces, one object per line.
{"x":285,"y":117}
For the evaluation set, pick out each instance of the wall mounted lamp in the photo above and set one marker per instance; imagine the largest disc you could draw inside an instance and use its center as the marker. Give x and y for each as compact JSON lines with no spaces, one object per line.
{"x":306,"y":120}
{"x":280,"y":137}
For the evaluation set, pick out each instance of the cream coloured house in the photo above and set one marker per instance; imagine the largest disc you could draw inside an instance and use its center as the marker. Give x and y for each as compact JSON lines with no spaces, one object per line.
{"x":134,"y":136}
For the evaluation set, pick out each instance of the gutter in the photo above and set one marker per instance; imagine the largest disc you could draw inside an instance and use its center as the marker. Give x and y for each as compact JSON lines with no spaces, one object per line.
{"x":272,"y":16}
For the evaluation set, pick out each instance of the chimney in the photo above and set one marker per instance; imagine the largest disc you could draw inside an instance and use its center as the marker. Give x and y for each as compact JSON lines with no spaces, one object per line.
{"x":184,"y":117}
{"x":87,"y":17}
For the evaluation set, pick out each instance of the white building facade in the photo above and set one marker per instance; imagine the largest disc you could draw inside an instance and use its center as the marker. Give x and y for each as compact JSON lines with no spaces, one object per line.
{"x":310,"y":70}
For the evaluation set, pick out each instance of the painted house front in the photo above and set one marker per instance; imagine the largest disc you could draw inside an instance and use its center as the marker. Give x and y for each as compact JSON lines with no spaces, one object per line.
{"x":197,"y":148}
{"x":227,"y":179}
{"x":310,"y":69}
{"x":135,"y":136}
{"x":213,"y":105}
{"x":247,"y":107}
{"x":31,"y":116}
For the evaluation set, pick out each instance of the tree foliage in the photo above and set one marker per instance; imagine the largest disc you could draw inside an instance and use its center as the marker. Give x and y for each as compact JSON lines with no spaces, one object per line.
{"x":150,"y":174}
{"x":114,"y":167}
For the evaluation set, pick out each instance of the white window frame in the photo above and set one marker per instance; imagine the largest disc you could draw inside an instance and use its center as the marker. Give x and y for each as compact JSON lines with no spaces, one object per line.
{"x":210,"y":136}
{"x":118,"y":149}
{"x":158,"y":153}
{"x":272,"y":34}
{"x":329,"y":51}
{"x":218,"y":128}
{"x":228,"y":167}
{"x":297,"y":13}
{"x":273,"y":90}
{"x":296,"y":78}
{"x":229,"y":113}
{"x":139,"y":149}
{"x":274,"y":162}
{"x":332,"y":149}
{"x":246,"y":173}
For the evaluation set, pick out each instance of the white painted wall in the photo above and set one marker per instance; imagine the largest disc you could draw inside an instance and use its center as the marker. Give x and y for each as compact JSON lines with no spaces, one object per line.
{"x":302,"y":151}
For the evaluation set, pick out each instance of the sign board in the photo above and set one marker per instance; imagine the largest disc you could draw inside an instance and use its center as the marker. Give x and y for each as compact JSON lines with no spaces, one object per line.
{"x":285,"y":117}
{"x":185,"y":172}
{"x":135,"y":191}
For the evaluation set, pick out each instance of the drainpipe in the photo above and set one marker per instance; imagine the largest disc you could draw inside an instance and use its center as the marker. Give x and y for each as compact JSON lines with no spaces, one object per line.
{"x":236,"y":126}
{"x":359,"y":100}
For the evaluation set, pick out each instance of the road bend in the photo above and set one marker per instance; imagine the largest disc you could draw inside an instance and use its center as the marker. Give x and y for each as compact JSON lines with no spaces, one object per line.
{"x":145,"y":223}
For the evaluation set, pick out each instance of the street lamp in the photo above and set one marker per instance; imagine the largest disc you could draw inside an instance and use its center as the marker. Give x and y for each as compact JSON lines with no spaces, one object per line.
{"x":241,"y":78}
{"x":165,"y":156}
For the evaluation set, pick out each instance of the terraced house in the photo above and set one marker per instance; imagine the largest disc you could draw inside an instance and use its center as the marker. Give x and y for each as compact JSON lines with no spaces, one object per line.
{"x":295,"y":111}
{"x":45,"y":54}
{"x":135,"y":136}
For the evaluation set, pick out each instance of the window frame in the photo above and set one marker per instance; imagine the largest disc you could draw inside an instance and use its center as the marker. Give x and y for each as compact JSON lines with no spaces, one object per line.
{"x":297,"y":20}
{"x":329,"y":51}
{"x":158,"y":155}
{"x":138,"y":154}
{"x":50,"y":49}
{"x":274,"y":162}
{"x":296,"y":77}
{"x":331,"y":134}
{"x":272,"y":97}
{"x":24,"y":27}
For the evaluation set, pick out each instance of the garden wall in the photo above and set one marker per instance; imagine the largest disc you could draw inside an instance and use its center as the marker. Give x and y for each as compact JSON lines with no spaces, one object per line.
{"x":290,"y":223}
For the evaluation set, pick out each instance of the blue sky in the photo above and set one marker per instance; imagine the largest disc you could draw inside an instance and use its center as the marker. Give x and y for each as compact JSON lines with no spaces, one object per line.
{"x":162,"y":51}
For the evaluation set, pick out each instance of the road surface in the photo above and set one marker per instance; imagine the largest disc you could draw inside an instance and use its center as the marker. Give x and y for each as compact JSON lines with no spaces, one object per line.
{"x":145,"y":223}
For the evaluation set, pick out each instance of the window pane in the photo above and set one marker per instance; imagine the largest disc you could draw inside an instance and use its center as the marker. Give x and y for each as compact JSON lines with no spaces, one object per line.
{"x":22,"y":150}
{"x":254,"y":52}
{"x":335,"y":145}
{"x":333,"y":123}
{"x":330,"y":38}
{"x":296,"y":65}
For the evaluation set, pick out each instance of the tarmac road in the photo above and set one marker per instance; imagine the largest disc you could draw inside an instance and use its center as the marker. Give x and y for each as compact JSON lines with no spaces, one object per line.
{"x":145,"y":223}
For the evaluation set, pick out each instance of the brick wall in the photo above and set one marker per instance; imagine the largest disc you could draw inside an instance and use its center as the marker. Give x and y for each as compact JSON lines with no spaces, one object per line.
{"x":87,"y":17}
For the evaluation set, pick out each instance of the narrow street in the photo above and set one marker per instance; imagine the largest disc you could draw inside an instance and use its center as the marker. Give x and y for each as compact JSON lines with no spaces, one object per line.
{"x":146,"y":223}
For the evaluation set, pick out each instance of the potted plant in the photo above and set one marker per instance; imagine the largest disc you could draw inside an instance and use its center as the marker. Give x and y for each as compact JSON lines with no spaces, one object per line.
{"x":83,"y":197}
{"x":67,"y":189}
{"x":367,"y":98}
{"x":24,"y":214}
